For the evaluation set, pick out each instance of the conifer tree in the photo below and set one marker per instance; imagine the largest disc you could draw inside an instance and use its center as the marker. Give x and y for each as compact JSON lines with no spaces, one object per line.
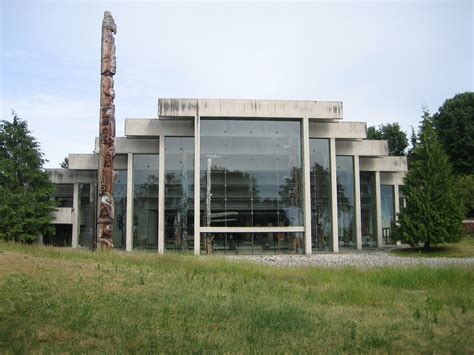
{"x":433,"y":212}
{"x":25,"y":190}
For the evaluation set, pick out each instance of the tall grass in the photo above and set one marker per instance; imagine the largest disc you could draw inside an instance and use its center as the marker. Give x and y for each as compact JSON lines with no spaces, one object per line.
{"x":54,"y":300}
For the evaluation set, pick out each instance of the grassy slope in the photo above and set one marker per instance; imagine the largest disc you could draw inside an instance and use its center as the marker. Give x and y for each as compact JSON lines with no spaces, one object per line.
{"x":463,"y":249}
{"x":59,"y":300}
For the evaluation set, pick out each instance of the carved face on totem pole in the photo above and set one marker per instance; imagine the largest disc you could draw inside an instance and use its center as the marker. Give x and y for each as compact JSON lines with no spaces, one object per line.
{"x":108,"y":92}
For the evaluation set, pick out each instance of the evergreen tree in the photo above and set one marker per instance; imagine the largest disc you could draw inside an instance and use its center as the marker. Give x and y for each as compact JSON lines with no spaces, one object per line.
{"x":433,"y":212}
{"x":65,"y":163}
{"x":25,"y":190}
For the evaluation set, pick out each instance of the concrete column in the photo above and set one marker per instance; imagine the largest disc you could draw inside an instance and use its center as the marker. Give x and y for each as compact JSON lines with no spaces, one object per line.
{"x":197,"y":185}
{"x":129,"y":228}
{"x":75,"y":216}
{"x":335,"y":236}
{"x":161,"y":198}
{"x":396,"y":197}
{"x":307,"y":188}
{"x":358,"y":217}
{"x":378,"y":209}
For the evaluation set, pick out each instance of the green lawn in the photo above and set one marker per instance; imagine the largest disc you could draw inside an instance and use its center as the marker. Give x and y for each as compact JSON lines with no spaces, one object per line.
{"x":54,"y":300}
{"x":463,"y":249}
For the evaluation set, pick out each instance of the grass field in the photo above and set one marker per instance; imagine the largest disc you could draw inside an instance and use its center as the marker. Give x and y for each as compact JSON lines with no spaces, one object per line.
{"x":54,"y":300}
{"x":463,"y":249}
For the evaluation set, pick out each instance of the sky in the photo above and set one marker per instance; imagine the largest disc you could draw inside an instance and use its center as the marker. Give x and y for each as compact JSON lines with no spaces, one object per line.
{"x":383,"y":60}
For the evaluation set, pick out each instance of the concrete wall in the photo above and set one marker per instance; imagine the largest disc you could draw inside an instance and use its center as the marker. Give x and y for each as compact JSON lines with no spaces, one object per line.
{"x":149,"y":127}
{"x":340,"y":130}
{"x":249,"y":108}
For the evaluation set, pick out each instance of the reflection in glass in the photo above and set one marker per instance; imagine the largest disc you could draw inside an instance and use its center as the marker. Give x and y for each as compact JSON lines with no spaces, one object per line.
{"x":120,"y":209}
{"x":253,"y":243}
{"x":388,"y":211}
{"x":179,"y":194}
{"x":251,"y":173}
{"x":320,"y":175}
{"x":401,"y":197}
{"x":368,"y":209}
{"x":86,"y":215}
{"x":145,"y":201}
{"x":345,"y":201}
{"x":63,"y":194}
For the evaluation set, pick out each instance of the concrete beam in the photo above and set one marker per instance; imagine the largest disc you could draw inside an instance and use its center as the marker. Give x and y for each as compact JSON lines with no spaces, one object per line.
{"x":68,"y":176}
{"x":340,"y":130}
{"x":63,"y":215}
{"x":392,"y":178}
{"x":378,"y":209}
{"x":150,"y":127}
{"x":91,"y":162}
{"x":364,"y":148}
{"x":388,"y":164}
{"x":125,"y":145}
{"x":249,"y":108}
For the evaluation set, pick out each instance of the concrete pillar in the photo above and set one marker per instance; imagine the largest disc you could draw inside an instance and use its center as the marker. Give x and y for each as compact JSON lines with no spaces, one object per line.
{"x":307,"y":188}
{"x":161,"y":197}
{"x":197,"y":185}
{"x":396,"y":197}
{"x":129,"y":228}
{"x":378,"y":209}
{"x":75,"y":216}
{"x":335,"y":236}
{"x":358,"y":215}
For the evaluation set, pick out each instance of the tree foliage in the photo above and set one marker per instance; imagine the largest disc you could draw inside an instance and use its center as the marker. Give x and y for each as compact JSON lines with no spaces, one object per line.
{"x":454,"y":124}
{"x":433,"y":212}
{"x":391,"y":132}
{"x":25,"y":190}
{"x":65,"y":163}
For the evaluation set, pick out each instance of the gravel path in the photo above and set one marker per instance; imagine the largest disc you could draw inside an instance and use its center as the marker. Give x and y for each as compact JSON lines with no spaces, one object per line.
{"x":361,"y":259}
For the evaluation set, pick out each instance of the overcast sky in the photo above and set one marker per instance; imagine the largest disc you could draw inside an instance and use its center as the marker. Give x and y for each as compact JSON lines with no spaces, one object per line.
{"x":384,"y":60}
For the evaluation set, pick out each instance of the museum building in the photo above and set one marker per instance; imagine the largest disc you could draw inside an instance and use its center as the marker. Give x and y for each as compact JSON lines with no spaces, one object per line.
{"x":239,"y":177}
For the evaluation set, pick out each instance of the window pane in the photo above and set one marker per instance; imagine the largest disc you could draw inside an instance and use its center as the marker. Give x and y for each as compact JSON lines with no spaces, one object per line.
{"x":345,"y":201}
{"x":145,"y":201}
{"x":368,"y":209}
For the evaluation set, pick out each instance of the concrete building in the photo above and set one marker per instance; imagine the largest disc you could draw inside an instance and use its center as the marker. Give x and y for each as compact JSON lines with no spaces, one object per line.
{"x":239,"y":177}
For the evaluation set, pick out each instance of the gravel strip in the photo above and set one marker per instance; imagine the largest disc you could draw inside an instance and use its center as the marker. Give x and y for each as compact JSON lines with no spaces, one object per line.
{"x":360,"y":259}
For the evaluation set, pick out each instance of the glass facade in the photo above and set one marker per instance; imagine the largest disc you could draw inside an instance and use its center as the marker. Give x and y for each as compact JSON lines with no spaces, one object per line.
{"x":87,"y":223}
{"x":63,"y":194}
{"x":320,"y":175}
{"x":388,"y":211}
{"x":346,"y":201}
{"x":120,"y":209}
{"x":368,"y":209}
{"x":145,"y":201}
{"x":251,"y":174}
{"x":179,"y":194}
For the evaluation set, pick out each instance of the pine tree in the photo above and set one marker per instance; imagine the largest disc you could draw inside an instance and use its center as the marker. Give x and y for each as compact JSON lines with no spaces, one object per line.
{"x":433,"y":212}
{"x":25,"y":190}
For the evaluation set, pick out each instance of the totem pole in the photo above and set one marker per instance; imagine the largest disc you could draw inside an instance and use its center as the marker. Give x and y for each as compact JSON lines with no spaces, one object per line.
{"x":106,"y":133}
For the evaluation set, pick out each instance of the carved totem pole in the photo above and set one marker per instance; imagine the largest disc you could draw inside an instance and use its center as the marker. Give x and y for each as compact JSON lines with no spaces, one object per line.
{"x":107,"y":133}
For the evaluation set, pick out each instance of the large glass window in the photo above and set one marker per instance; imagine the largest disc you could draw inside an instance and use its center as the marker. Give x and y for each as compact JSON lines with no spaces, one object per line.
{"x":368,"y":209}
{"x":345,"y":201}
{"x":388,"y":211}
{"x":320,"y":174}
{"x":251,"y":173}
{"x":87,"y":207}
{"x":179,"y":194}
{"x":145,"y":201}
{"x":120,"y":209}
